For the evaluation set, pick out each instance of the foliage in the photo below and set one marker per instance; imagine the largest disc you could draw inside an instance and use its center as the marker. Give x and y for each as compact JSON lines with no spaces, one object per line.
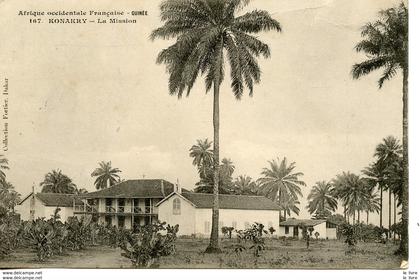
{"x":350,"y":234}
{"x":40,"y":235}
{"x":227,"y":231}
{"x":57,"y":182}
{"x":244,"y":185}
{"x":79,"y":233}
{"x":9,"y":198}
{"x":9,"y":229}
{"x":255,"y":234}
{"x":271,"y":230}
{"x":106,"y":176}
{"x":282,"y":184}
{"x":147,"y":246}
{"x":321,"y":198}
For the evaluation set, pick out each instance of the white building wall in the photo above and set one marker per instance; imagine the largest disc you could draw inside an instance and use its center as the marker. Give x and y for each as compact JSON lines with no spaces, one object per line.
{"x":186,"y":220}
{"x":237,"y":218}
{"x":332,"y":233}
{"x":321,"y":229}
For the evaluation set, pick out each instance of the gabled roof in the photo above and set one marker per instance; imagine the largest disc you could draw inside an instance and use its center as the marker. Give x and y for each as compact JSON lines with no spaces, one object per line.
{"x":144,"y":188}
{"x":56,"y":199}
{"x":306,"y":222}
{"x":59,"y":199}
{"x":245,"y":202}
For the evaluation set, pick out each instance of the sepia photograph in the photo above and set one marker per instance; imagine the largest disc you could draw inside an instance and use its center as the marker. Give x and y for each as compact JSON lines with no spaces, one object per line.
{"x":204,"y":134}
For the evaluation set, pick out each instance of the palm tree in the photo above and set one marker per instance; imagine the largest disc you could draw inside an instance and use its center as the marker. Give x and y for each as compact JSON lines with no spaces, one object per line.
{"x":81,"y":191}
{"x":245,"y":185}
{"x":288,"y":204}
{"x":202,"y":155}
{"x":375,"y":175}
{"x":206,"y":30}
{"x":9,"y":198}
{"x":57,"y":182}
{"x":4,"y":165}
{"x":321,"y":198}
{"x":370,"y":202}
{"x":280,"y":181}
{"x":387,"y":153}
{"x":386,"y":46}
{"x":106,"y":176}
{"x":351,"y":190}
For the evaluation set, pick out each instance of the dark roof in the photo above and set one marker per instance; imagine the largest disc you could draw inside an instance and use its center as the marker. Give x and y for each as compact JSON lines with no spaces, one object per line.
{"x":145,"y":188}
{"x":59,"y":199}
{"x":295,"y":222}
{"x":247,"y":202}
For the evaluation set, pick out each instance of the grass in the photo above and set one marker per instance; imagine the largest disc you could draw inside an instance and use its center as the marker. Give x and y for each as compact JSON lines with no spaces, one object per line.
{"x":278,"y":254}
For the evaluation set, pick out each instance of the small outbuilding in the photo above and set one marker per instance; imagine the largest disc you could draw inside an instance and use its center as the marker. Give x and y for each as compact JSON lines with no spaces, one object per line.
{"x":324,"y":229}
{"x":193,"y":212}
{"x":43,"y":205}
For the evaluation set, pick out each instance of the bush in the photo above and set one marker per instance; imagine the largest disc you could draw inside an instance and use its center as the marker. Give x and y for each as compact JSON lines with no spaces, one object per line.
{"x":9,"y":229}
{"x":255,"y":234}
{"x":227,"y":231}
{"x":350,"y":234}
{"x":40,"y":235}
{"x":147,"y":246}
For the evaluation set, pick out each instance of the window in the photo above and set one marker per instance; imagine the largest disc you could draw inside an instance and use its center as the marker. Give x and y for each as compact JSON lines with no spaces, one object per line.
{"x":286,"y":230}
{"x":234,"y":224}
{"x":177,"y":206}
{"x":206,"y":227}
{"x":121,"y":220}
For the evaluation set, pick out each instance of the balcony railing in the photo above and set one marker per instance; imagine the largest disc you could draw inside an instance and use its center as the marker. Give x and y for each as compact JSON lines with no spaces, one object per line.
{"x":119,"y":209}
{"x":86,"y":208}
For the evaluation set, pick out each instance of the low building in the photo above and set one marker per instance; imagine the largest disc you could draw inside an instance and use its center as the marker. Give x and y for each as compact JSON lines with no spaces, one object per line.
{"x":193,"y":212}
{"x":127,"y":204}
{"x":293,"y":228}
{"x":43,"y":205}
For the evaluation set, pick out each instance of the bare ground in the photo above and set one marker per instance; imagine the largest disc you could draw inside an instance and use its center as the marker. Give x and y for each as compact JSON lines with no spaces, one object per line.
{"x":278,"y":254}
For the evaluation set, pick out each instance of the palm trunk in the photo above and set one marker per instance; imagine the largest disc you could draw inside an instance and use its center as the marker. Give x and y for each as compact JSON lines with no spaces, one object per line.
{"x":395,"y":214}
{"x":380,"y":210}
{"x":345,"y":214}
{"x":285,"y":214}
{"x":214,"y":237}
{"x":404,"y":194}
{"x":389,"y":211}
{"x":354,"y":217}
{"x":358,"y":216}
{"x":367,"y":217}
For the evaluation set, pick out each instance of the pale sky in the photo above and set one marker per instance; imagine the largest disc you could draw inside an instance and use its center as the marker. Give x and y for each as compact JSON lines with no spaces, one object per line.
{"x":80,"y":94}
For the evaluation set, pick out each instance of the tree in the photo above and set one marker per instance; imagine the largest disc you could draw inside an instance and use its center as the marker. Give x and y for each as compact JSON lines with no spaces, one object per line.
{"x":206,"y":30}
{"x":370,"y":202}
{"x":202,"y":155}
{"x":386,"y":45}
{"x":206,"y":183}
{"x":375,"y":175}
{"x":244,"y":185}
{"x":351,"y":190}
{"x":9,"y":198}
{"x":106,"y":176}
{"x":321,"y":198}
{"x":288,"y":204}
{"x":57,"y":182}
{"x":280,"y":183}
{"x":4,"y":165}
{"x":387,"y":154}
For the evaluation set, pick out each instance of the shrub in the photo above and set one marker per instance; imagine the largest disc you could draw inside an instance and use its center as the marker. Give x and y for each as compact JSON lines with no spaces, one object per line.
{"x":79,"y":233}
{"x":227,"y":231}
{"x":9,"y":229}
{"x":40,"y":234}
{"x":255,"y":234}
{"x":147,"y":246}
{"x":271,"y":230}
{"x":350,"y":234}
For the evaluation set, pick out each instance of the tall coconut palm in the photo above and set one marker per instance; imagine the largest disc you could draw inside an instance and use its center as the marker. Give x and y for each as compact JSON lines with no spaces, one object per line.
{"x":4,"y":165}
{"x":280,"y":181}
{"x":321,"y":198}
{"x":375,"y":176}
{"x":106,"y":176}
{"x":202,"y":155}
{"x":206,"y":31}
{"x":352,"y":192}
{"x":387,"y":153}
{"x":370,"y":201}
{"x":57,"y":182}
{"x":386,"y":45}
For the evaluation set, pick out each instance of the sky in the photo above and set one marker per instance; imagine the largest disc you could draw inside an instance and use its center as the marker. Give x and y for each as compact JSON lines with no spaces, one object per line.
{"x":81,"y":94}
